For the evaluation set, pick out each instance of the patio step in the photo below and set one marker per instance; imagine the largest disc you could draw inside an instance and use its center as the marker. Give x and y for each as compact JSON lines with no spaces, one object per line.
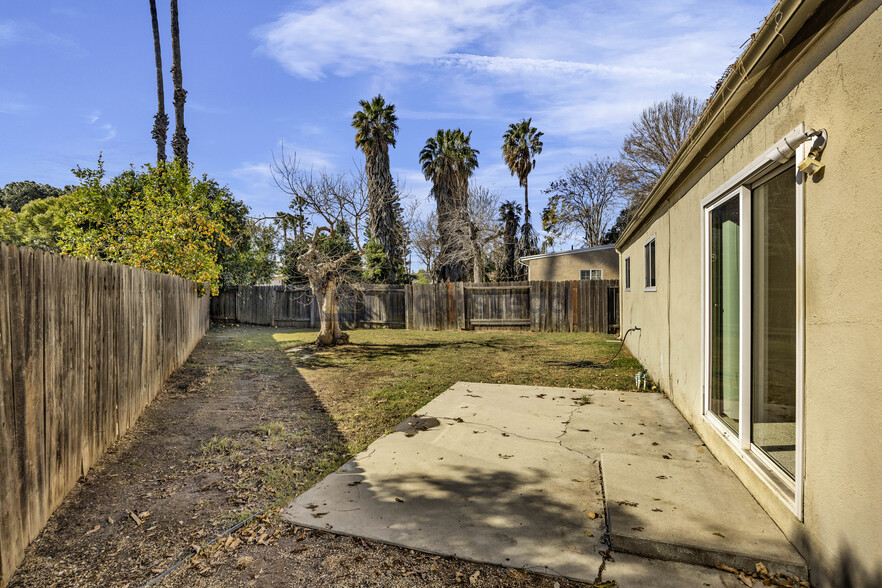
{"x":691,"y":512}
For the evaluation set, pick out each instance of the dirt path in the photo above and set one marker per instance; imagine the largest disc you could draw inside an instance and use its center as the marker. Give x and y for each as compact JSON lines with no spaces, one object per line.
{"x":235,"y":431}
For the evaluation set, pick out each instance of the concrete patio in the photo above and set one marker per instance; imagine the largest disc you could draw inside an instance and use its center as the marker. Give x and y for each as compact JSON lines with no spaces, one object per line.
{"x":539,"y":478}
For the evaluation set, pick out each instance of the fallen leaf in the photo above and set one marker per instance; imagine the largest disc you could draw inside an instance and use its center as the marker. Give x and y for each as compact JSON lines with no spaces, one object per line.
{"x":718,"y":534}
{"x":473,"y":579}
{"x":95,"y":528}
{"x":761,"y":568}
{"x":745,"y":580}
{"x":592,"y":515}
{"x":589,"y":533}
{"x":726,"y":568}
{"x":136,"y":518}
{"x":399,"y":499}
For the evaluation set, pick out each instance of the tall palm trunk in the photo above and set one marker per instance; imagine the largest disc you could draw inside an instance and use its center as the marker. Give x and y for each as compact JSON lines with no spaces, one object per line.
{"x":160,"y":119}
{"x":526,"y":199}
{"x":180,"y":140}
{"x":381,"y":205}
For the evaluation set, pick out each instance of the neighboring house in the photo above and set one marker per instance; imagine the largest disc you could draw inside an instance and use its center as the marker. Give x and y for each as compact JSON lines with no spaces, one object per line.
{"x":758,"y":288}
{"x":590,"y":263}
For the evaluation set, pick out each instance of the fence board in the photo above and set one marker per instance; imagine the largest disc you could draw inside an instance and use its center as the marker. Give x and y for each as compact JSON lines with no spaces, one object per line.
{"x":568,"y":306}
{"x":84,"y":347}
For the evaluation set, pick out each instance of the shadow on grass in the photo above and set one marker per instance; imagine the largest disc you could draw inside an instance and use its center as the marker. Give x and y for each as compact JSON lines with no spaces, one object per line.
{"x":410,"y":352}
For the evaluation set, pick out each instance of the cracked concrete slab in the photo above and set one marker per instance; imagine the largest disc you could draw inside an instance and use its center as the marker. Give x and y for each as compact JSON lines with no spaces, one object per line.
{"x":475,"y":486}
{"x":693,"y":512}
{"x":508,"y":475}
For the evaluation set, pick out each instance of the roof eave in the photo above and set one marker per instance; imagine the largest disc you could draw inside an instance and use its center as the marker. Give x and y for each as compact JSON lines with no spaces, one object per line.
{"x":768,"y":42}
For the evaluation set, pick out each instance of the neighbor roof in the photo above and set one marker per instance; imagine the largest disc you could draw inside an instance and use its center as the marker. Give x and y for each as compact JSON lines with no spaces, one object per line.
{"x":570,"y":252}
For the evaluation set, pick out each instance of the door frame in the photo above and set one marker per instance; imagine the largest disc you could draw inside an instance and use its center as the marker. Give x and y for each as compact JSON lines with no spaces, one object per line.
{"x":789,"y":491}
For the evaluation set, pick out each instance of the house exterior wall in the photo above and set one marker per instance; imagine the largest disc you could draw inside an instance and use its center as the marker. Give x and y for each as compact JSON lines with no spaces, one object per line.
{"x":556,"y":268}
{"x":841,"y":92}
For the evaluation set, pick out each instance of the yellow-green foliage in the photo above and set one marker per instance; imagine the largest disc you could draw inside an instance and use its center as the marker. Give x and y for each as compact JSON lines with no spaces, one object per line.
{"x":161,"y":219}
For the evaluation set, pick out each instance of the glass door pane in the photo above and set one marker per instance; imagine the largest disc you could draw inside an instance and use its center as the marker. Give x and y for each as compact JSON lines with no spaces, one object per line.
{"x":773,"y":318}
{"x":724,"y":310}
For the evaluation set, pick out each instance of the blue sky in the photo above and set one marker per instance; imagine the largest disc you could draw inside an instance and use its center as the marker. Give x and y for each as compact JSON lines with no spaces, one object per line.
{"x":77,"y":79}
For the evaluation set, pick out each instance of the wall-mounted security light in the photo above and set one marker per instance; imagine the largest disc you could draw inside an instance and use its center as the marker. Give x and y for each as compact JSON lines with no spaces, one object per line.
{"x":811,"y":164}
{"x":783,"y":150}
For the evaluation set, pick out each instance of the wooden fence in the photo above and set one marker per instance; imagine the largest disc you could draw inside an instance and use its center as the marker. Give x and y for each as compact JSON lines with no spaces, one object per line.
{"x":582,"y":306}
{"x":568,"y":306}
{"x":84,"y":347}
{"x":294,"y":306}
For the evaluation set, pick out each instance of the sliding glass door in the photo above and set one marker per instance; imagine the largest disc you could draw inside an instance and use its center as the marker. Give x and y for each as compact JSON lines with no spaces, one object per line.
{"x":725,"y":302}
{"x":773,"y":319}
{"x":753,"y":321}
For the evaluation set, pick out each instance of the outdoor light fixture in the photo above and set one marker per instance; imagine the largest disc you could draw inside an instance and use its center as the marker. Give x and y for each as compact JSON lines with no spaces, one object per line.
{"x":810,"y":165}
{"x":784,"y":149}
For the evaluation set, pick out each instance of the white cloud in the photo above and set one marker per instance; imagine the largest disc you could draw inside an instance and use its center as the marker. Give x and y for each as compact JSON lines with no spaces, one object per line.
{"x":255,"y":173}
{"x":352,"y":36}
{"x":20,"y":32}
{"x":13,"y":102}
{"x":551,"y":68}
{"x":110,"y":132}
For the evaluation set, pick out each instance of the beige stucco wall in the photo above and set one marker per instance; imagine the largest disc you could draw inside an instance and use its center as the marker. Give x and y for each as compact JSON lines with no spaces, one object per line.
{"x":843,"y":326}
{"x":556,"y":268}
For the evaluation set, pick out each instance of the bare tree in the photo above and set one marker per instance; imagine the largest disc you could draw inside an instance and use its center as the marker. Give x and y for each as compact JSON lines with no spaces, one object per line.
{"x":652,"y":142}
{"x":472,"y":232}
{"x":584,"y":200}
{"x":480,"y":227}
{"x":424,"y":238}
{"x":340,"y":201}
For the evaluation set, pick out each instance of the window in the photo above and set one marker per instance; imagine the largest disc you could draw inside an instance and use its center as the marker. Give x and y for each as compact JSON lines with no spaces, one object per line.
{"x":649,"y":265}
{"x":591,"y":274}
{"x":628,"y":274}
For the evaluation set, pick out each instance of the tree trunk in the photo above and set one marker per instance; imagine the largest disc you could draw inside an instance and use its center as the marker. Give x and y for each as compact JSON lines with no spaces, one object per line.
{"x":526,"y":199}
{"x":325,"y":292}
{"x":381,"y":208}
{"x":477,"y":254}
{"x":160,"y":120}
{"x":323,"y":276}
{"x":180,"y":140}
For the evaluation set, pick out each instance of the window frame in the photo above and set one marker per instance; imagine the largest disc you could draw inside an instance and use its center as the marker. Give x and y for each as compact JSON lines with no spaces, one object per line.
{"x":627,"y":272}
{"x":789,"y":491}
{"x":589,"y":270}
{"x":646,"y":265}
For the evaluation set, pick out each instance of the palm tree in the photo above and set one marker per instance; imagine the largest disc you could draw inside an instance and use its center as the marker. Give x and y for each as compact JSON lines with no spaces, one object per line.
{"x":520,"y":146}
{"x":509,"y":214}
{"x":375,"y":127}
{"x":160,"y":120}
{"x":179,"y":140}
{"x":448,"y":160}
